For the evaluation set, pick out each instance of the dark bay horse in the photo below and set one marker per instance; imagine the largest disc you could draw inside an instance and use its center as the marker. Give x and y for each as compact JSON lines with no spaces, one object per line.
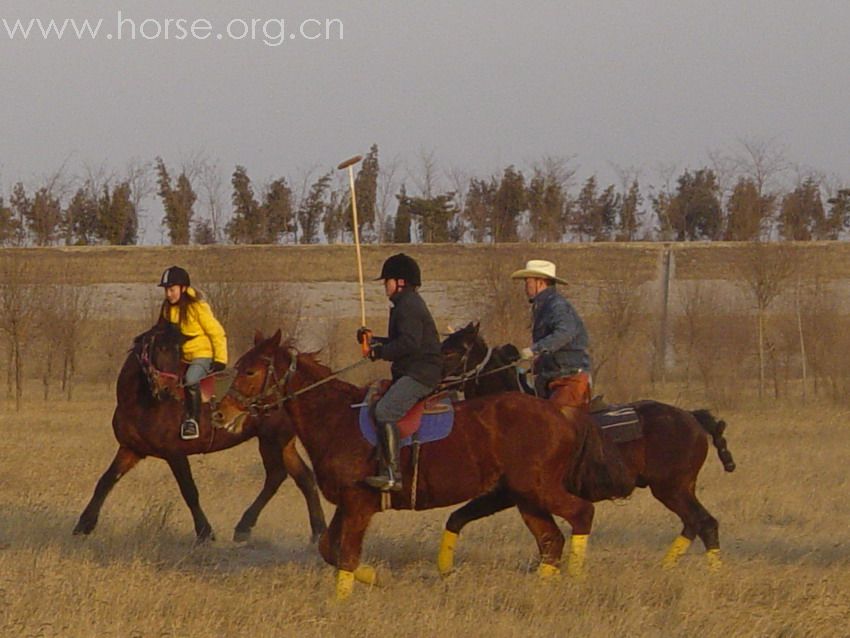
{"x":146,"y":422}
{"x":667,"y":459}
{"x":491,"y":449}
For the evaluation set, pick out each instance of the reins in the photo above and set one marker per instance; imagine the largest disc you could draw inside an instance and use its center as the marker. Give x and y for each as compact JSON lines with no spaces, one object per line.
{"x":475,"y":373}
{"x":451,"y":382}
{"x":253,"y":406}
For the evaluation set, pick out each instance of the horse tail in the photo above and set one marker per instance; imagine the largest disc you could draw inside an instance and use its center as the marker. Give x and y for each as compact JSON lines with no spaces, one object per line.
{"x":715,"y":429}
{"x":597,"y":472}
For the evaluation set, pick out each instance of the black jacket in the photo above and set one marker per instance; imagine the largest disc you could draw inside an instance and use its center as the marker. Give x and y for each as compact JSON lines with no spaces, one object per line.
{"x":413,"y":344}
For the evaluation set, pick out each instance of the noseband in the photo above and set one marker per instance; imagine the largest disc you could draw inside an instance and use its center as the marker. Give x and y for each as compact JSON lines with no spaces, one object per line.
{"x":159,"y":381}
{"x":272,"y":387}
{"x":255,"y":405}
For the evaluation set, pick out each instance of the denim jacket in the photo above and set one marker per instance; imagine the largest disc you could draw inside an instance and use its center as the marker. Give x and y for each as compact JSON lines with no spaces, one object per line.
{"x":560,"y":339}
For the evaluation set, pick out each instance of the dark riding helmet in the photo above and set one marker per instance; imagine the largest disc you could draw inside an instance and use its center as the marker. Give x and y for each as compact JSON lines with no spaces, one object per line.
{"x":401,"y":266}
{"x":174,"y":276}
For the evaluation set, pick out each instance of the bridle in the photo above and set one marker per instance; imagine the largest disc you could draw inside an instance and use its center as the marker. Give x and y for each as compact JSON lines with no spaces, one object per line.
{"x":466,"y":375}
{"x":273,"y":386}
{"x":159,"y":381}
{"x":258,"y":404}
{"x":474,"y":374}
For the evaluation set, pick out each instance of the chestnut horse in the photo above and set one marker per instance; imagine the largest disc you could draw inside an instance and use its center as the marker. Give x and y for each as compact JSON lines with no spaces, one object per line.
{"x":492,"y":448}
{"x":667,"y":459}
{"x":146,"y":422}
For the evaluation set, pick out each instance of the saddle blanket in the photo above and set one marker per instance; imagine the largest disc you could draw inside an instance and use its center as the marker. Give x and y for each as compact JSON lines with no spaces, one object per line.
{"x":424,"y":427}
{"x":619,"y":422}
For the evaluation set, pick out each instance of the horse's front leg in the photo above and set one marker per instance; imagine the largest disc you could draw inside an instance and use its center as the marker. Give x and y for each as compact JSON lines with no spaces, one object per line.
{"x":306,"y":482}
{"x":329,"y":548}
{"x":357,"y":507}
{"x":183,"y":473}
{"x":123,"y":462}
{"x":271,"y":453}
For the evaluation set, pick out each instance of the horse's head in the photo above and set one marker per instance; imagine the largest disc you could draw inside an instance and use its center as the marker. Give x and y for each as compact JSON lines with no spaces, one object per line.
{"x":457,"y":347}
{"x":158,"y":351}
{"x":266,"y":376}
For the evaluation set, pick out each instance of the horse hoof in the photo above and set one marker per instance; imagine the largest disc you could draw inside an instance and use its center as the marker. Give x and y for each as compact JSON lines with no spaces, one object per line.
{"x":205,"y":537}
{"x":446,"y":555}
{"x":83,"y":529}
{"x":240,"y":536}
{"x":344,"y":584}
{"x":366,"y":574}
{"x":712,"y":557}
{"x":548,"y":572}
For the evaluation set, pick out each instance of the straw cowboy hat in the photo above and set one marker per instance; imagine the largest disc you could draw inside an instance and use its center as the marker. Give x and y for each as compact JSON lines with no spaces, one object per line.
{"x":538,"y":268}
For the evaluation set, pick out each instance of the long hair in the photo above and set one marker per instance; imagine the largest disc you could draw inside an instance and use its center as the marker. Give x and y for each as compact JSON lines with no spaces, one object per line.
{"x":182,"y":304}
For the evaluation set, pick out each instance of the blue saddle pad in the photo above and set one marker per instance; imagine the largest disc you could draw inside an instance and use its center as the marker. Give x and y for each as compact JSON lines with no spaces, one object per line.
{"x":433,"y":427}
{"x":620,"y":422}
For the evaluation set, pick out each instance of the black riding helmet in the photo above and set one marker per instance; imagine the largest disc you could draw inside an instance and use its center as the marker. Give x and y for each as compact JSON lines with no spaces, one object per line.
{"x":174,"y":276}
{"x":401,"y":266}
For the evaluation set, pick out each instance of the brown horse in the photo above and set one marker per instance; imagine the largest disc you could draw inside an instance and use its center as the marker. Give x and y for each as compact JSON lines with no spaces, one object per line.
{"x":491,"y":449}
{"x":146,"y":422}
{"x":667,"y":459}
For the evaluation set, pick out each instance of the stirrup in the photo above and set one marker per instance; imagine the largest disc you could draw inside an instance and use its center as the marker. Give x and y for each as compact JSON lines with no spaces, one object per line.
{"x":189,"y":430}
{"x":383,"y":482}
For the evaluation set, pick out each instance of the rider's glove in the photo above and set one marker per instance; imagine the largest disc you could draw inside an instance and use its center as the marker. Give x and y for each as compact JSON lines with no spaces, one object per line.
{"x":526,"y":354}
{"x":217,"y":366}
{"x":375,"y":351}
{"x":364,"y":332}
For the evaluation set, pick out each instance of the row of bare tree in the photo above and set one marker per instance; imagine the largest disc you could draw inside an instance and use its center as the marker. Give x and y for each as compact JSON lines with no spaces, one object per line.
{"x":750,"y":194}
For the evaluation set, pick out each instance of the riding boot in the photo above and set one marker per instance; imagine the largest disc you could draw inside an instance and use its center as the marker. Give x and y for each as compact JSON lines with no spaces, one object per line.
{"x":190,"y":429}
{"x":390,"y":479}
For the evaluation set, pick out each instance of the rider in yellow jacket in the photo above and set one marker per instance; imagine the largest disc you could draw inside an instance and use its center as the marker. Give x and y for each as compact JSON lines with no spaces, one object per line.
{"x":205,"y":348}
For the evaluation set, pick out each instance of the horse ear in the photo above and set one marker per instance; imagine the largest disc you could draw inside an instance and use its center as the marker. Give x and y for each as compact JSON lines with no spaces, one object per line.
{"x":258,"y":337}
{"x":475,"y":326}
{"x":276,"y":337}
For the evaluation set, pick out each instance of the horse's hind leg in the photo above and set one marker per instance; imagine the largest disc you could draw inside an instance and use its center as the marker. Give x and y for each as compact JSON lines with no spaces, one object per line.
{"x":123,"y":462}
{"x":480,"y":507}
{"x":306,"y":482}
{"x":696,"y":520}
{"x":183,"y":473}
{"x":550,"y":540}
{"x":579,"y":514}
{"x":270,"y":452}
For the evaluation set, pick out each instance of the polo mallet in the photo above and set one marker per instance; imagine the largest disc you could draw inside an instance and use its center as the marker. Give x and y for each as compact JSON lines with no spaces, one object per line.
{"x":349,"y":163}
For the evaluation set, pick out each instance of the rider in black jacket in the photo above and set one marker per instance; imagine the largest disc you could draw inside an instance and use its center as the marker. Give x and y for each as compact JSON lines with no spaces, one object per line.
{"x":413,"y":347}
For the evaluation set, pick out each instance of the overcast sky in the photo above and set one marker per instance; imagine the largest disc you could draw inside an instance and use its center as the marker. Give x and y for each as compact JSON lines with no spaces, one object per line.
{"x":480,"y":83}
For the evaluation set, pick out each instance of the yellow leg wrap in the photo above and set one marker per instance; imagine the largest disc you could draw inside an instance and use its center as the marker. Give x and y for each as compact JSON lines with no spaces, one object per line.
{"x":446,"y":555}
{"x":547,"y":571}
{"x":344,"y":584}
{"x":575,"y":560}
{"x":366,"y":574}
{"x":712,"y":557}
{"x":677,"y":548}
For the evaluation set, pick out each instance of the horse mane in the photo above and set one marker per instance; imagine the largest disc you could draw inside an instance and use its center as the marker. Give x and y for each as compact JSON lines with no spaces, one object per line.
{"x":167,"y":329}
{"x":314,"y":367}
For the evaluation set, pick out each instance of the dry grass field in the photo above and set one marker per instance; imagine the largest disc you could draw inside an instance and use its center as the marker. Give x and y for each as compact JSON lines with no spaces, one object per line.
{"x":784,"y":518}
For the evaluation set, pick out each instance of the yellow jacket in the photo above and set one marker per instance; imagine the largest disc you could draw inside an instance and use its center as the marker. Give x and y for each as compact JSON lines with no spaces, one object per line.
{"x":206,"y":335}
